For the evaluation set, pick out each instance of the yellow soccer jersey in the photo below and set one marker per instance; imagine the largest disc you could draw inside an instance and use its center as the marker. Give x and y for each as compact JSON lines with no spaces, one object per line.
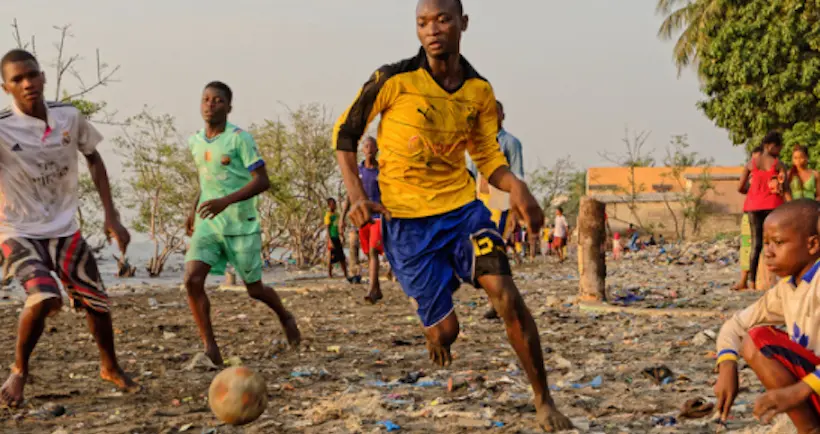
{"x":423,"y":133}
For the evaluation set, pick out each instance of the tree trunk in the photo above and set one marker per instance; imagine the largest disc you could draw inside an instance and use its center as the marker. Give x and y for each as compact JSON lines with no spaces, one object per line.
{"x":591,"y":260}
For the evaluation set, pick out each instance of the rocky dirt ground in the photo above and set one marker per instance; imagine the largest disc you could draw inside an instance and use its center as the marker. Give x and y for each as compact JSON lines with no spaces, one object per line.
{"x":361,"y":366}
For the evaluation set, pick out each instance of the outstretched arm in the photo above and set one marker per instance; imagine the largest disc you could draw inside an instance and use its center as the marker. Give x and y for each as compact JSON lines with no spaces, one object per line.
{"x":375,"y":96}
{"x":113,"y":226}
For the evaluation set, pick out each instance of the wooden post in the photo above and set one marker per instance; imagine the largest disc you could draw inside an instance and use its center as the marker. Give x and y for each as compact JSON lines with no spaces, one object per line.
{"x":230,"y":277}
{"x":591,"y":259}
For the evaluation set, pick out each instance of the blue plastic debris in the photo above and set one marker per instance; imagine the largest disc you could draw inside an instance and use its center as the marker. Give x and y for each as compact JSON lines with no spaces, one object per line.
{"x":297,"y":374}
{"x":664,"y":420}
{"x":498,"y":424}
{"x":389,"y":425}
{"x":595,"y":383}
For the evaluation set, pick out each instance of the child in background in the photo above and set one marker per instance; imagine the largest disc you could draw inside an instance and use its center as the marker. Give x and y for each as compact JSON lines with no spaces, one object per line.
{"x":617,"y":247}
{"x":802,"y":179}
{"x":786,"y":364}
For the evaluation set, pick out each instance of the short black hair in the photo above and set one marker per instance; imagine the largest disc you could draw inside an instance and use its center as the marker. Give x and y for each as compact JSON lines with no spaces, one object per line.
{"x":330,"y":199}
{"x":218,"y":85}
{"x":797,"y":213}
{"x":498,"y":103}
{"x":459,"y":8}
{"x":757,"y":150}
{"x":772,"y":137}
{"x":16,"y":55}
{"x":561,"y":210}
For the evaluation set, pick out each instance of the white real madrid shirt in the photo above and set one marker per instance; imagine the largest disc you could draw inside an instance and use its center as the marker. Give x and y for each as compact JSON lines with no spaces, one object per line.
{"x":39,"y":172}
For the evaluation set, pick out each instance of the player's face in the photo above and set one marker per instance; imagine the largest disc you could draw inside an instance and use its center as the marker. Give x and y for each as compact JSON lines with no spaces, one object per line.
{"x":439,"y":27}
{"x":332,"y":205}
{"x":787,"y":250}
{"x":773,"y":149}
{"x":215,"y":106}
{"x":24,"y":82}
{"x":799,"y":159}
{"x":370,"y":149}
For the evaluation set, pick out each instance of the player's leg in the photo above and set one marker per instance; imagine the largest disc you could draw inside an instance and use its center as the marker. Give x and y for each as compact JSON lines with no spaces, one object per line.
{"x":243,"y":252}
{"x":78,"y":270}
{"x":370,"y":236}
{"x":522,"y":333}
{"x":775,"y":359}
{"x":417,"y":250}
{"x":330,"y":261}
{"x":337,"y":245}
{"x":480,"y":258}
{"x":26,"y":261}
{"x":440,"y":337}
{"x":205,"y":254}
{"x":353,"y":247}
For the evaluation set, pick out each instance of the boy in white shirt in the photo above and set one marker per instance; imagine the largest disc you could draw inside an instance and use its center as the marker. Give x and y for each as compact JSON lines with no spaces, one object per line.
{"x":786,"y":363}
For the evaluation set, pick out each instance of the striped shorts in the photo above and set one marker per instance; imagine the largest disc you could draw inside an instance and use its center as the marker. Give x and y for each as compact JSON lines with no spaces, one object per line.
{"x":31,"y":261}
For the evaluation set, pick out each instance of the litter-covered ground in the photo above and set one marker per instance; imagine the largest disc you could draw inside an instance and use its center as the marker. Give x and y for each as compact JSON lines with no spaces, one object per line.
{"x":364,"y":368}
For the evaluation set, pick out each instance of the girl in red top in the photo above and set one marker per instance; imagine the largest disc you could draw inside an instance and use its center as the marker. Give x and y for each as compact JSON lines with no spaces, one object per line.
{"x":765,"y":193}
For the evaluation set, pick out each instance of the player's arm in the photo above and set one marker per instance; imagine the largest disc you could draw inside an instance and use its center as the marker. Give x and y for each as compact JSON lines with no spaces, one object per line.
{"x":259,"y":183}
{"x":766,"y":310}
{"x":374,"y":97}
{"x":87,"y":140}
{"x":493,"y":165}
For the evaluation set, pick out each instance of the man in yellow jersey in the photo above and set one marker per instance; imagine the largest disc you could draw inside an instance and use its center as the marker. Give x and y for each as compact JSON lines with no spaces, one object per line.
{"x":433,"y":107}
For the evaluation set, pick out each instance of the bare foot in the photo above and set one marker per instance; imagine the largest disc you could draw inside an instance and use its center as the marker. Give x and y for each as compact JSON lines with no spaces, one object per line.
{"x":11,"y":393}
{"x":120,"y":379}
{"x":374,"y":296}
{"x":292,"y":332}
{"x":214,"y":355}
{"x":551,"y":420}
{"x":439,"y":354}
{"x":740,"y":286}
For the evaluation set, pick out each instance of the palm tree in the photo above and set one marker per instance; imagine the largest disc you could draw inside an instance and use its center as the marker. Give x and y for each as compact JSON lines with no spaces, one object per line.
{"x":689,"y":18}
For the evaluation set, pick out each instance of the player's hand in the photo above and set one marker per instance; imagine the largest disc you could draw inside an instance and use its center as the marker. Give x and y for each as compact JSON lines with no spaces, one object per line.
{"x":361,"y":212}
{"x":189,"y":224}
{"x":114,"y":229}
{"x":726,"y":388}
{"x":212,"y":208}
{"x":523,"y":204}
{"x":777,"y":401}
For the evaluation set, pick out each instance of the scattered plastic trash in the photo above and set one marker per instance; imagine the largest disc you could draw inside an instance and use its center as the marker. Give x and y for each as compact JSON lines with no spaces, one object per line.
{"x":389,"y":425}
{"x":664,"y":420}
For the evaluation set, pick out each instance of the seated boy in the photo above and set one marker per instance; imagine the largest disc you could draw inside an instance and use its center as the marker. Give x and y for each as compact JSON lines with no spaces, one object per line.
{"x":786,"y":364}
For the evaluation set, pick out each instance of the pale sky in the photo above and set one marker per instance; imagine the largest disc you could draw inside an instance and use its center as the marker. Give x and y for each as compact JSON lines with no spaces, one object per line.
{"x":571,"y":74}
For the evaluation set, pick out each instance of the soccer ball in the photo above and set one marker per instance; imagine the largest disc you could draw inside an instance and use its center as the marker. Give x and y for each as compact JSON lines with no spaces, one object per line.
{"x":238,"y":395}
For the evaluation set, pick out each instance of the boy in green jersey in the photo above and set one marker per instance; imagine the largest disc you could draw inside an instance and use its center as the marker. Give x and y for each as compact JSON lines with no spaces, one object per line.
{"x":224,"y":223}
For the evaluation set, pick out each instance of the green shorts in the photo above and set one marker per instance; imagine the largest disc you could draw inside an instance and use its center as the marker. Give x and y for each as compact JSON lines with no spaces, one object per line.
{"x":244,"y":252}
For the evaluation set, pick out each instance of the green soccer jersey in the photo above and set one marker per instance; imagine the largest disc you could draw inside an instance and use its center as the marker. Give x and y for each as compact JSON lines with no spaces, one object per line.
{"x":224,"y":164}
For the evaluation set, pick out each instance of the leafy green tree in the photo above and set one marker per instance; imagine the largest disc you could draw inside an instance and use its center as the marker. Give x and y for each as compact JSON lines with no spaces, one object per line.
{"x":686,"y":20}
{"x":303,"y":171}
{"x":761,"y":68}
{"x":162,"y":184}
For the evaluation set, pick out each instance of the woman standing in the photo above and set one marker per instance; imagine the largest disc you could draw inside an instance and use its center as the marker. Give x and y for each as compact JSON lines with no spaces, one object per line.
{"x":765,"y":193}
{"x":802,"y":179}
